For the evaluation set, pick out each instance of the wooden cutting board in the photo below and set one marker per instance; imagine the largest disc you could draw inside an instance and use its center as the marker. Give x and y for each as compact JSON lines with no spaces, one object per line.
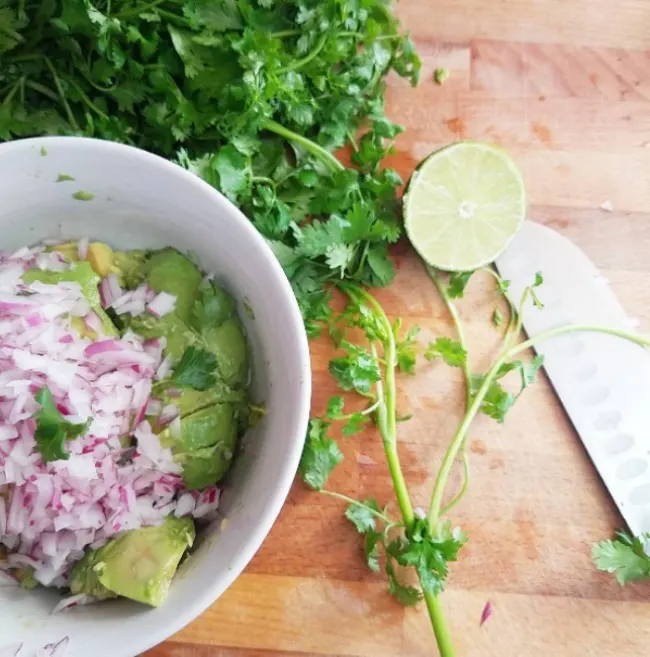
{"x":564,"y":85}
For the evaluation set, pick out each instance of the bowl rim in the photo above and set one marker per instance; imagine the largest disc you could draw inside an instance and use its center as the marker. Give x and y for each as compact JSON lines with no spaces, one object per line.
{"x":302,"y":362}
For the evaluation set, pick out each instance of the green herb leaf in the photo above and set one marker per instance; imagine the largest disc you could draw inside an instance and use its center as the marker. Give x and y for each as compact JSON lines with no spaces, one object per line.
{"x":355,"y":424}
{"x":372,"y":541}
{"x":449,"y":350}
{"x":625,"y":556}
{"x":441,"y":75}
{"x":363,"y":515}
{"x":320,"y":455}
{"x":406,"y":349}
{"x":497,"y":317}
{"x":195,"y":369}
{"x":457,"y":283}
{"x":334,"y":408}
{"x":497,"y":401}
{"x":357,"y":370}
{"x":213,"y":307}
{"x":408,"y":596}
{"x":52,"y":429}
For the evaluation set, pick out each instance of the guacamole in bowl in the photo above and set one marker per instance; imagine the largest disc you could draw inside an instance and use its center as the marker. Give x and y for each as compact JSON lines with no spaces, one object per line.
{"x":124,"y":380}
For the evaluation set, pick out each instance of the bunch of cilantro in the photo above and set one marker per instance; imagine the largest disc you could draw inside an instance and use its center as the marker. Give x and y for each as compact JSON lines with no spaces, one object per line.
{"x":252,"y":95}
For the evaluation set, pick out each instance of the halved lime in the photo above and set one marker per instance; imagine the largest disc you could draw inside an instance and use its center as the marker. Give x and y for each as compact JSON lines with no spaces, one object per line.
{"x":463,"y":206}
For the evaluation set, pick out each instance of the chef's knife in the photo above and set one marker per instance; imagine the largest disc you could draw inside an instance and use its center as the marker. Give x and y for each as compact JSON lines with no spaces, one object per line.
{"x":602,"y":381}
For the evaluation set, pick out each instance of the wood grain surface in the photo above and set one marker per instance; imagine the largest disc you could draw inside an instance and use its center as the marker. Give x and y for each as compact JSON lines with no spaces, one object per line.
{"x":565,"y":86}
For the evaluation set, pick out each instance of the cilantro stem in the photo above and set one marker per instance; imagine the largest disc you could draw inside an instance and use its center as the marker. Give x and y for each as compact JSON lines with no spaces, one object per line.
{"x":299,"y":63}
{"x":365,"y":411}
{"x":351,"y":500}
{"x":312,"y":147}
{"x":16,"y":36}
{"x":578,"y":328}
{"x":435,"y":506}
{"x":507,"y":354}
{"x":284,"y":33}
{"x":512,"y":319}
{"x":139,"y":10}
{"x":42,"y":89}
{"x":458,"y":326}
{"x":57,"y":83}
{"x":386,"y":412}
{"x":440,"y":626}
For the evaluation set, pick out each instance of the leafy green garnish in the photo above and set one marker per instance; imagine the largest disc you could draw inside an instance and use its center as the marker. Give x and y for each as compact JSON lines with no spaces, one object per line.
{"x":363,"y":515}
{"x":320,"y":455}
{"x":449,"y":350}
{"x":441,"y":75}
{"x":64,"y":177}
{"x":358,"y":370}
{"x":213,"y":307}
{"x":625,"y":556}
{"x":457,"y":283}
{"x":195,"y":369}
{"x":52,"y":429}
{"x":497,"y":317}
{"x":497,"y":401}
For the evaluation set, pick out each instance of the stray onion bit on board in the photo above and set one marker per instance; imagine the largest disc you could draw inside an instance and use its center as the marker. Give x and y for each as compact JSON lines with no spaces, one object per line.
{"x":486,"y":613}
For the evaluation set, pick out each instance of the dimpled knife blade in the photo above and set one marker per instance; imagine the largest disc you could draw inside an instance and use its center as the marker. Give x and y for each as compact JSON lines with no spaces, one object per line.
{"x":602,"y":381}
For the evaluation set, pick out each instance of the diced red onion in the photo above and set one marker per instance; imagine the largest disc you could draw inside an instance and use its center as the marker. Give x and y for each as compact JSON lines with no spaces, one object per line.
{"x":162,"y":304}
{"x":93,"y":322}
{"x":164,"y":369}
{"x":54,"y":511}
{"x":486,"y":613}
{"x":154,"y":407}
{"x":82,"y":248}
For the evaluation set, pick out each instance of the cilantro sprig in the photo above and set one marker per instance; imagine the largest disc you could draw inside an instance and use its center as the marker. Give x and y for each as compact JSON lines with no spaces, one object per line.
{"x":52,"y":429}
{"x":425,"y":542}
{"x":625,"y":556}
{"x":195,"y":369}
{"x":254,"y":97}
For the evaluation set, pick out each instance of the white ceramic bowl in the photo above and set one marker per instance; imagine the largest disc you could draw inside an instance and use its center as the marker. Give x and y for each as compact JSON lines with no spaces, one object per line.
{"x":141,"y":200}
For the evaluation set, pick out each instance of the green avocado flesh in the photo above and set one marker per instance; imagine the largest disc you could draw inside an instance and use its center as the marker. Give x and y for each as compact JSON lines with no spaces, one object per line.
{"x":138,"y":564}
{"x":205,"y":318}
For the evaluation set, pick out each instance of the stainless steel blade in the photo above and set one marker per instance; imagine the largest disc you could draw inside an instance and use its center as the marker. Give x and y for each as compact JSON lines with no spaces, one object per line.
{"x":602,"y":381}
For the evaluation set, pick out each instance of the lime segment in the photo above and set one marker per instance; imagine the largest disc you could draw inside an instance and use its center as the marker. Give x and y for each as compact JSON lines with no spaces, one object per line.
{"x":463,"y":206}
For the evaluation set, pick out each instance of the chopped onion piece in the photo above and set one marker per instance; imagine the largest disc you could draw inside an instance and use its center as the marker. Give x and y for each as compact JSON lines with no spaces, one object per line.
{"x":162,"y":304}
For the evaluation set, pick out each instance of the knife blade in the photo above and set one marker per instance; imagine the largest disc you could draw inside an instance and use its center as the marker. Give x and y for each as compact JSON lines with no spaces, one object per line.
{"x":602,"y":381}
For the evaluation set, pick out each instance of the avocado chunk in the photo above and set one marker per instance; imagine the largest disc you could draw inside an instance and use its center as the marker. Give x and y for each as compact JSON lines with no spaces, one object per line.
{"x":69,"y":251}
{"x":170,"y":271}
{"x":127,"y":266}
{"x":192,"y":400}
{"x":138,"y":564}
{"x":206,"y":445}
{"x":82,"y":273}
{"x":228,"y":343}
{"x":179,"y":336}
{"x":100,"y":257}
